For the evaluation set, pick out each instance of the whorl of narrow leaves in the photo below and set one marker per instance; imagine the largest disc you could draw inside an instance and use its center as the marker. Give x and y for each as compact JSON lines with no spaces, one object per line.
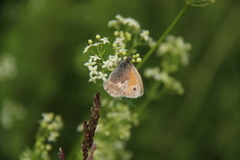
{"x":61,"y":155}
{"x":90,"y":127}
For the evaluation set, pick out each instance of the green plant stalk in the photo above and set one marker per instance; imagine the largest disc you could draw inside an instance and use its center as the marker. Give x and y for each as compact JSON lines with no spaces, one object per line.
{"x":150,"y":52}
{"x":154,"y":89}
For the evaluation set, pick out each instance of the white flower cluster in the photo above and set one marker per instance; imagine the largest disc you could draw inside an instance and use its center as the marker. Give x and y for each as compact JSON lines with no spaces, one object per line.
{"x":94,"y":61}
{"x":133,"y":29}
{"x":96,"y":64}
{"x":111,"y":62}
{"x":173,"y":53}
{"x":94,"y":74}
{"x":153,"y":73}
{"x":113,"y":130}
{"x":163,"y":76}
{"x":145,"y":35}
{"x":125,"y":21}
{"x":176,"y":47}
{"x":128,"y":35}
{"x":48,"y":131}
{"x":52,"y":124}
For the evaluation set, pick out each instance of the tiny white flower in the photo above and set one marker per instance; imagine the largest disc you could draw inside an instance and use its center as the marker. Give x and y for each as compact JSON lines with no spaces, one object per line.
{"x":93,"y":79}
{"x":102,"y":76}
{"x":151,"y":42}
{"x":165,"y":77}
{"x":128,"y":21}
{"x":153,"y":73}
{"x":145,"y":35}
{"x":180,"y":43}
{"x":50,"y":126}
{"x":89,"y":63}
{"x":119,"y":18}
{"x":57,"y":125}
{"x":110,"y":64}
{"x":93,"y":70}
{"x":113,"y":58}
{"x":105,"y":64}
{"x":95,"y":58}
{"x":170,"y":38}
{"x":131,"y":22}
{"x":104,"y":40}
{"x":53,"y":136}
{"x":163,"y":48}
{"x":121,"y":51}
{"x":119,"y":42}
{"x":47,"y":117}
{"x":86,"y":49}
{"x":112,"y":23}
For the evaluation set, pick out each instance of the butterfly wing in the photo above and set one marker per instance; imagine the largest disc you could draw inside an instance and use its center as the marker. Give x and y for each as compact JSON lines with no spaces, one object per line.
{"x":117,"y":83}
{"x":135,"y":84}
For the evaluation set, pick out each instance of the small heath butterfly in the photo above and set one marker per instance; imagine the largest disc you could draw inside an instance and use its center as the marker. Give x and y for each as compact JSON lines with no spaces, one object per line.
{"x":124,"y":81}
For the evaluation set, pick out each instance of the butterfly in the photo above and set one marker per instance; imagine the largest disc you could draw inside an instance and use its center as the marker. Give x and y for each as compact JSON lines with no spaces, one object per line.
{"x":124,"y":81}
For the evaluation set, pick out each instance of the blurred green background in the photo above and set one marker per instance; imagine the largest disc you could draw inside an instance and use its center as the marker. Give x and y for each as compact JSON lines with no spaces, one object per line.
{"x":45,"y":39}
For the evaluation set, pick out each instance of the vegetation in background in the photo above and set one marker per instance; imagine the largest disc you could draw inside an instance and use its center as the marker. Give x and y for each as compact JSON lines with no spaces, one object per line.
{"x":41,"y":70}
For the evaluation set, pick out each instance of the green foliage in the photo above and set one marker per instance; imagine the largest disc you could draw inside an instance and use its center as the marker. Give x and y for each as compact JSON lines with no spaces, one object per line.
{"x":42,"y":42}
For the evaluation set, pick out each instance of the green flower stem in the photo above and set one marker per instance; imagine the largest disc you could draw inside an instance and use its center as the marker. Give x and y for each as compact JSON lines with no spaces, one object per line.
{"x":154,"y":89}
{"x":150,"y":52}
